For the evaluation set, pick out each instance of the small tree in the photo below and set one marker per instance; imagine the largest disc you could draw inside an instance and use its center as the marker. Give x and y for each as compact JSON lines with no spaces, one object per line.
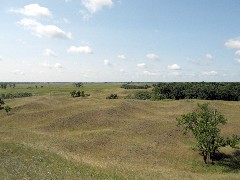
{"x":78,"y":84}
{"x":203,"y":125}
{"x":7,"y":109}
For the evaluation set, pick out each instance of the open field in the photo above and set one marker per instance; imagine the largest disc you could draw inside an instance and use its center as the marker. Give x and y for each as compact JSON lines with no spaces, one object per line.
{"x":54,"y":136}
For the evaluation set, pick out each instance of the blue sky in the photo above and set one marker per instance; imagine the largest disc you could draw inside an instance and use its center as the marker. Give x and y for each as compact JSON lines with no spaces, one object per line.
{"x":119,"y":40}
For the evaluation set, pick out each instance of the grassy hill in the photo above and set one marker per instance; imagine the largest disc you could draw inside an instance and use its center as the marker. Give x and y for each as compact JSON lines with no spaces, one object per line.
{"x":54,"y":136}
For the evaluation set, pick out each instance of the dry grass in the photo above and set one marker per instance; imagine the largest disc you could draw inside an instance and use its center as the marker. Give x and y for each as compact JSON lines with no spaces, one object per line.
{"x":114,"y":139}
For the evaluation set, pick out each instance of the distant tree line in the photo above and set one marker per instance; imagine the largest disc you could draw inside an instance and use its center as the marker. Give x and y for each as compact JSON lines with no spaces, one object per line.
{"x":4,"y":85}
{"x":227,"y":91}
{"x":15,"y":95}
{"x":132,"y":86}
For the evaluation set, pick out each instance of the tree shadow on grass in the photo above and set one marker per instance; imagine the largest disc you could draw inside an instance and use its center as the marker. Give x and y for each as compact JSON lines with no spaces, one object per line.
{"x":230,"y":162}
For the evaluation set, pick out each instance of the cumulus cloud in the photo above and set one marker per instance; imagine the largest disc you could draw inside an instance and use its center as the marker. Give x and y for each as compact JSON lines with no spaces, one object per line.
{"x":233,"y":43}
{"x":210,"y":73}
{"x":50,"y":31}
{"x":121,"y":56}
{"x":58,"y":66}
{"x":238,"y":60}
{"x":33,"y":10}
{"x":80,"y":49}
{"x":237,"y":52}
{"x":174,"y":67}
{"x":95,"y":5}
{"x":149,"y":73}
{"x":142,"y":65}
{"x":152,"y":56}
{"x":49,"y":52}
{"x":209,"y":57}
{"x":107,"y":62}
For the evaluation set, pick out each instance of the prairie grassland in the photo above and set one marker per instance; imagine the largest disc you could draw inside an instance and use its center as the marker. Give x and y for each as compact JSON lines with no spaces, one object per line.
{"x":54,"y":136}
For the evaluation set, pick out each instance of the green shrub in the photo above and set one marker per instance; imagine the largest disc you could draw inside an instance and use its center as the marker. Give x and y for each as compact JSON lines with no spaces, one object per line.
{"x":112,"y":96}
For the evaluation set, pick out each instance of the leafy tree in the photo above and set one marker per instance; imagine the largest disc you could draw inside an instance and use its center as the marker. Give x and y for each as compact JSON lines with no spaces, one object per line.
{"x":203,"y":125}
{"x":79,"y":84}
{"x":7,"y":109}
{"x":73,"y":93}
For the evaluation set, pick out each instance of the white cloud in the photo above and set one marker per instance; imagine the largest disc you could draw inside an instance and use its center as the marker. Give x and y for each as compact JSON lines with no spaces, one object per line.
{"x":1,"y":59}
{"x":95,"y":5}
{"x":33,"y":10}
{"x":210,"y":73}
{"x":149,"y":73}
{"x":209,"y":56}
{"x":58,"y":66}
{"x":142,"y":65}
{"x":238,"y":60}
{"x":233,"y":43}
{"x":80,"y":49}
{"x":174,"y":67}
{"x":50,"y":31}
{"x":107,"y":62}
{"x":237,"y":52}
{"x":49,"y":52}
{"x":121,"y":56}
{"x":152,"y":56}
{"x":45,"y":65}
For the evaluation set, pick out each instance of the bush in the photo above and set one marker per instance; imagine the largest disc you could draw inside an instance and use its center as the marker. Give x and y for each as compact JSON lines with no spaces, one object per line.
{"x":142,"y":95}
{"x":16,"y":95}
{"x":112,"y":96}
{"x":132,"y":86}
{"x":75,"y":93}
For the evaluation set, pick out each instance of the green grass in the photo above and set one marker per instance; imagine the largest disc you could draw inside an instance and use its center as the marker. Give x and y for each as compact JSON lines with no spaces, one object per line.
{"x":96,"y":138}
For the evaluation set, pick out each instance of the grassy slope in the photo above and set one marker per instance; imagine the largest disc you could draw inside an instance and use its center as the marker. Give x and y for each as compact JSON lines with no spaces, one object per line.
{"x":53,"y":135}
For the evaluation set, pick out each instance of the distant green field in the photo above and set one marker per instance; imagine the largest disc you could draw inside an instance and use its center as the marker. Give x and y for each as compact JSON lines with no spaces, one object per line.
{"x":54,"y":136}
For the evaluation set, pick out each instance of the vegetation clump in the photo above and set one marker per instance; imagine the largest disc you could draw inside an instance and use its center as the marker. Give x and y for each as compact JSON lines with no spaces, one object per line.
{"x":1,"y":103}
{"x":140,"y":95}
{"x":197,"y":90}
{"x":203,"y":124}
{"x":133,"y":86}
{"x":78,"y":84}
{"x":75,"y":93}
{"x":112,"y":96}
{"x":7,"y":109}
{"x":16,"y":95}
